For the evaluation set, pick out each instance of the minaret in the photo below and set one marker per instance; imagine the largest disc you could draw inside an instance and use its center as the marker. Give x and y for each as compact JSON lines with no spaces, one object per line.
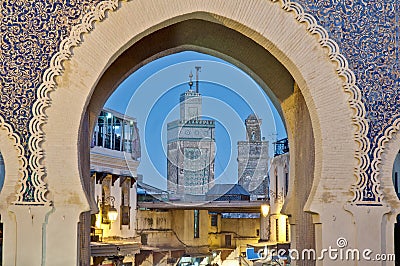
{"x":191,"y":146}
{"x":253,"y":158}
{"x":253,"y":128}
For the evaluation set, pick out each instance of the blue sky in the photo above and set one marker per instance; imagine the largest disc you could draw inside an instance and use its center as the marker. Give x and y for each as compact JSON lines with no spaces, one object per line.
{"x":151,"y":95}
{"x":2,"y":171}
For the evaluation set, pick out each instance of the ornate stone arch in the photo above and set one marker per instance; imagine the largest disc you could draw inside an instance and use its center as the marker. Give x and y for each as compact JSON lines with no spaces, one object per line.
{"x":382,"y":164}
{"x":251,"y":25}
{"x":387,"y":155}
{"x":295,"y":39}
{"x":389,"y":149}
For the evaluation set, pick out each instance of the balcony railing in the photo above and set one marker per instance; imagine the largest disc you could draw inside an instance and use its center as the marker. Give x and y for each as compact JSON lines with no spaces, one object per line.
{"x":281,"y":147}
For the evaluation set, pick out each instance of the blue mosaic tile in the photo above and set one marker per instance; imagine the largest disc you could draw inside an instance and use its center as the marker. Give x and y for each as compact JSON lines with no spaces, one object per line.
{"x":30,"y":34}
{"x":367,"y":33}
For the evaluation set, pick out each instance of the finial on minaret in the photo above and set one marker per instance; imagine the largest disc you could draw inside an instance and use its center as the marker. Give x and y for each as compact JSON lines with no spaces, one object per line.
{"x":190,"y":80}
{"x":197,"y":78}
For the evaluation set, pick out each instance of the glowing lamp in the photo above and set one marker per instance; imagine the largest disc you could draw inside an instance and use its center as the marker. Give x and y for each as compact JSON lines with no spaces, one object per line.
{"x":264,"y":210}
{"x":112,"y":214}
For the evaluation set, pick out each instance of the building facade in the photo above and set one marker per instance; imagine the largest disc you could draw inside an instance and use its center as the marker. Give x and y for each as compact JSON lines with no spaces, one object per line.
{"x":253,"y":158}
{"x":191,"y":148}
{"x":217,"y":231}
{"x":279,"y":226}
{"x":114,"y":159}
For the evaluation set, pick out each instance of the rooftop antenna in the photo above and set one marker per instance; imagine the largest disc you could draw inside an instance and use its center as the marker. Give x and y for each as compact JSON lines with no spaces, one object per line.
{"x":190,"y":80}
{"x":197,"y":78}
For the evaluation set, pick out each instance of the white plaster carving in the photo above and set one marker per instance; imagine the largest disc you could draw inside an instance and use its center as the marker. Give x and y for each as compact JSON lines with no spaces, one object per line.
{"x":350,"y":87}
{"x":49,"y":84}
{"x":23,"y":174}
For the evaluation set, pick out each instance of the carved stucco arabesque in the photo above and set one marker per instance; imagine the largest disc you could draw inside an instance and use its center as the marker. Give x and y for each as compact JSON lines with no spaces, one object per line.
{"x":31,"y":33}
{"x":37,"y":36}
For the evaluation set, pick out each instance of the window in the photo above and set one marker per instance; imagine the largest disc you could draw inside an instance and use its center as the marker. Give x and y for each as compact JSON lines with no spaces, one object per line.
{"x":228,"y":241}
{"x":214,"y":220}
{"x":396,"y":182}
{"x":276,"y":185}
{"x":286,"y":183}
{"x":125,"y":200}
{"x":113,"y":132}
{"x":196,"y":224}
{"x":253,"y":135}
{"x":277,"y":230}
{"x":143,"y":239}
{"x":105,"y":196}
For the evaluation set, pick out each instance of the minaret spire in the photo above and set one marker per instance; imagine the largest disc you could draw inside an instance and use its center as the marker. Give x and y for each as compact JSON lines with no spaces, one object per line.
{"x":197,"y":77}
{"x":190,"y":80}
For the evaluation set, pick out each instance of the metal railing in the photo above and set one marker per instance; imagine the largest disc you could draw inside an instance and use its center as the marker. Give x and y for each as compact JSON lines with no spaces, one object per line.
{"x":281,"y":147}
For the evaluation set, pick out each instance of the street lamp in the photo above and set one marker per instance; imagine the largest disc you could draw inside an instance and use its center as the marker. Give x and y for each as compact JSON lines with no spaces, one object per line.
{"x":109,"y":212}
{"x":112,"y":213}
